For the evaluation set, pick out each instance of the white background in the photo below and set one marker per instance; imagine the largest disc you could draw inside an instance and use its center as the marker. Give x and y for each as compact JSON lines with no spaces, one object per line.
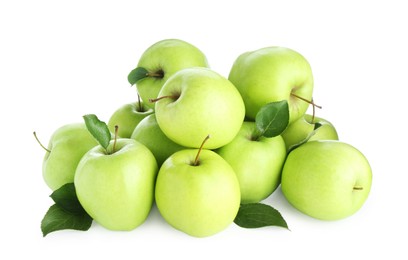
{"x":60,"y":60}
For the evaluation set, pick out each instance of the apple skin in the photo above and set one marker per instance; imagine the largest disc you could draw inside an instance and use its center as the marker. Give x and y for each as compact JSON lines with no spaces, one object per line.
{"x":197,"y":200}
{"x":257,"y":163}
{"x":117,"y":190}
{"x":149,"y":133}
{"x":206,"y":104}
{"x":321,"y":179}
{"x":127,"y":117}
{"x":298,"y":131}
{"x":67,"y":145}
{"x":167,"y":56}
{"x":272,"y":74}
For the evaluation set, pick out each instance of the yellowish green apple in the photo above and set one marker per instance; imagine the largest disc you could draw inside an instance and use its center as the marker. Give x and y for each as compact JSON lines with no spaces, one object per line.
{"x":149,"y":133}
{"x":196,"y":102}
{"x":198,"y":195}
{"x":273,"y":74}
{"x":299,"y":130}
{"x":115,"y":186}
{"x":328,"y":180}
{"x":257,"y":162}
{"x":127,"y":117}
{"x":160,"y":61}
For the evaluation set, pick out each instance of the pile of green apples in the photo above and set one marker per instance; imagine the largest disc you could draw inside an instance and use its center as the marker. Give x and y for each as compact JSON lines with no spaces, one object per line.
{"x":203,"y":147}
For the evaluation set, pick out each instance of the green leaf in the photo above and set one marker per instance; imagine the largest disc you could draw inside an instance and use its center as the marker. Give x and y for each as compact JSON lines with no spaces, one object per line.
{"x":316,"y":126}
{"x":273,"y":118}
{"x":66,"y":198}
{"x":98,"y":129}
{"x":137,"y":74}
{"x":58,"y":218}
{"x":256,"y":215}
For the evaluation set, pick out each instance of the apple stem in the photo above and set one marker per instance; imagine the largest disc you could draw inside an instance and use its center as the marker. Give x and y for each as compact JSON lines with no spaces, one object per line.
{"x":358,"y":188}
{"x":196,"y":161}
{"x":307,"y":101}
{"x":38,"y":140}
{"x":155,"y":74}
{"x":153,"y":100}
{"x":314,"y":112}
{"x":115,"y":138}
{"x":139,"y":103}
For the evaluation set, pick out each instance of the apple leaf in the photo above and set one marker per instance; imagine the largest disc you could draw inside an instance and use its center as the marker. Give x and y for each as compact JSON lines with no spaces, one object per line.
{"x":57,"y":218}
{"x":67,"y":199}
{"x":316,"y":126}
{"x":98,"y":129}
{"x":137,"y":74}
{"x":256,"y":215}
{"x":66,"y":213}
{"x":273,"y":118}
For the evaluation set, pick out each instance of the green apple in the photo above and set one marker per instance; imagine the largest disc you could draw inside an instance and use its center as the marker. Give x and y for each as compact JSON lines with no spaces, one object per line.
{"x":196,"y":102}
{"x":257,"y":162}
{"x":127,"y":117}
{"x":117,"y":188}
{"x":149,"y":133}
{"x":199,"y":199}
{"x":273,"y":74}
{"x":161,"y":60}
{"x":300,"y":129}
{"x":327,"y":180}
{"x":66,"y":147}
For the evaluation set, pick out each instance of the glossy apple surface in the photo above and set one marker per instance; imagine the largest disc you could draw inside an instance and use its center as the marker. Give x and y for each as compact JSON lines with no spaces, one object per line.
{"x":117,"y":190}
{"x":273,"y":74}
{"x":164,"y":58}
{"x":299,"y":130}
{"x":67,"y":145}
{"x":200,"y":102}
{"x":149,"y":133}
{"x":199,"y":200}
{"x":327,"y":180}
{"x":127,"y":117}
{"x":257,"y":163}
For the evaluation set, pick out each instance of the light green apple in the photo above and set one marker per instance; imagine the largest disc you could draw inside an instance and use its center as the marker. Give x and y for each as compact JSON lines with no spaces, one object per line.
{"x":117,"y":188}
{"x":161,"y":60}
{"x":257,"y":162}
{"x":66,"y":147}
{"x":200,"y":200}
{"x":273,"y":74}
{"x":327,"y":180}
{"x":196,"y":102}
{"x":127,"y":117}
{"x":149,"y":133}
{"x":300,"y":129}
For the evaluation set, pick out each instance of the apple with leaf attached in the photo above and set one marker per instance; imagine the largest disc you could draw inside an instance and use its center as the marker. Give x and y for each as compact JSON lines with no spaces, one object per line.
{"x":273,"y":74}
{"x":115,"y":180}
{"x":159,"y":62}
{"x":258,"y":152}
{"x":196,"y":102}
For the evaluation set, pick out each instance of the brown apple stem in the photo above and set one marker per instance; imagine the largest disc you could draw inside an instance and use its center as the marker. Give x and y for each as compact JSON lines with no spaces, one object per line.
{"x":156,"y":74}
{"x":115,"y":139}
{"x":153,"y":100}
{"x":38,"y":141}
{"x":196,"y":161}
{"x":357,"y":188}
{"x":307,"y":101}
